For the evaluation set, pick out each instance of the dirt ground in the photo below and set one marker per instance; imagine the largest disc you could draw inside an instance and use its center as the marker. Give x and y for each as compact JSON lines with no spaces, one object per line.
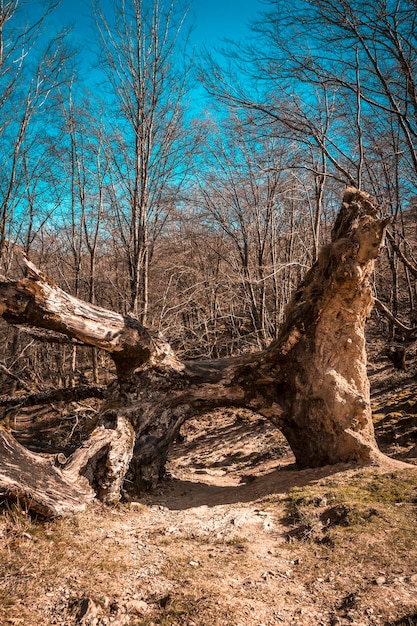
{"x":236,"y":535}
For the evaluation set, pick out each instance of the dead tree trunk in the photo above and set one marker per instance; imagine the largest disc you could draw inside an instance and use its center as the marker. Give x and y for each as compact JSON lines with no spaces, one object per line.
{"x":311,"y":381}
{"x":321,"y":354}
{"x":57,"y":486}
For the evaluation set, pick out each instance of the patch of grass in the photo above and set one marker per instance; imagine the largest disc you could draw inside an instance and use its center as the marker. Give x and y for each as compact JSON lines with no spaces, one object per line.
{"x":408,"y":620}
{"x":351,"y":530}
{"x":16,"y":520}
{"x":235,"y":541}
{"x":332,"y":510}
{"x":365,"y":488}
{"x":190,"y":605}
{"x":184,"y":605}
{"x":37,"y":558}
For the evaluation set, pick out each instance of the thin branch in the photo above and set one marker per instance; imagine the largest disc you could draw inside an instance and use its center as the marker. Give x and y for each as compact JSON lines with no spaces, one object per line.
{"x":6,"y":370}
{"x":66,"y":394}
{"x":411,"y":266}
{"x":387,"y":313}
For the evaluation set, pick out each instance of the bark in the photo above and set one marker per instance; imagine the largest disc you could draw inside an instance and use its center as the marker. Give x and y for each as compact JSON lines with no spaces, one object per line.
{"x":320,"y":353}
{"x":57,"y":486}
{"x":311,"y":381}
{"x":37,"y":301}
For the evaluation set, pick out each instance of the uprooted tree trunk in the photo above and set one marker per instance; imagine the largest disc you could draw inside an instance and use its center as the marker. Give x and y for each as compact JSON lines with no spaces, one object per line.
{"x":311,"y":381}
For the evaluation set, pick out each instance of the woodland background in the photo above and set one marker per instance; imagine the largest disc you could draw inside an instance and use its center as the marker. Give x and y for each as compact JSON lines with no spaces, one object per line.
{"x":200,"y":219}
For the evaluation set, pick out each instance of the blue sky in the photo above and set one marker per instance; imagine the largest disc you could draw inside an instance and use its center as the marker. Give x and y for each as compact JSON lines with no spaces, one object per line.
{"x":212,"y":22}
{"x":213,"y":19}
{"x":217,"y":19}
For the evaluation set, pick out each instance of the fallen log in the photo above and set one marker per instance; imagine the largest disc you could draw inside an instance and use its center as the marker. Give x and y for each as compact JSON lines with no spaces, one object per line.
{"x":311,"y":381}
{"x":54,"y":486}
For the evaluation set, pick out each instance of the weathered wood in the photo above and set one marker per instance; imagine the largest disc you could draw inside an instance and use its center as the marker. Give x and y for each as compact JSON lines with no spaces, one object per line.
{"x":54,"y":486}
{"x":320,"y":356}
{"x":36,"y":483}
{"x":105,"y":457}
{"x":311,"y":381}
{"x":38,"y":301}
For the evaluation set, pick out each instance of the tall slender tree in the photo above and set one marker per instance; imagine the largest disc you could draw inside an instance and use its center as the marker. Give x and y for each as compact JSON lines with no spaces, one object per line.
{"x":142,"y":52}
{"x":31,"y":68}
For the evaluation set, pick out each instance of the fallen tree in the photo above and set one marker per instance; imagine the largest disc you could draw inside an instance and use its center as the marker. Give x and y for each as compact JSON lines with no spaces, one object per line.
{"x":311,"y":381}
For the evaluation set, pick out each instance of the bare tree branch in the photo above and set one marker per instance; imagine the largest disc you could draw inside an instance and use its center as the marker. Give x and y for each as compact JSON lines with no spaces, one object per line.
{"x":397,"y":323}
{"x":6,"y":370}
{"x":68,"y":394}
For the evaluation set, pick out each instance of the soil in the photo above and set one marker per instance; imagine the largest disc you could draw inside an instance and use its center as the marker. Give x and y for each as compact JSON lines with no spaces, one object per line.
{"x":236,"y":535}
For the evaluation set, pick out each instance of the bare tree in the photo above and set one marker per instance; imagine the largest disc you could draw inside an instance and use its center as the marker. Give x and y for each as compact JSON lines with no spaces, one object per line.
{"x":245,"y":186}
{"x":337,"y":79}
{"x":83,"y":211}
{"x":28,"y":75}
{"x":143,"y":56}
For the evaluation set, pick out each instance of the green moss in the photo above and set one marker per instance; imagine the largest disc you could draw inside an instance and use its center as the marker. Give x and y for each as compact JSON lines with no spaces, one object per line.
{"x":365,"y":487}
{"x":331,"y":510}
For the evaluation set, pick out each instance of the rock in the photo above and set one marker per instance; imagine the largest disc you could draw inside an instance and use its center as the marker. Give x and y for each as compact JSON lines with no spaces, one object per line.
{"x":88,"y":612}
{"x":380,"y":580}
{"x":138,"y":607}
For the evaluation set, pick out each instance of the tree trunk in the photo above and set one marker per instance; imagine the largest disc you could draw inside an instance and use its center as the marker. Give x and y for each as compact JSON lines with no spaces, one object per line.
{"x":324,"y":401}
{"x":57,"y":486}
{"x":311,"y":381}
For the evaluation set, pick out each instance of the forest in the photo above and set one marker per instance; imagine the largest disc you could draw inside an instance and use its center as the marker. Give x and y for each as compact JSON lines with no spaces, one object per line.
{"x":208,"y":264}
{"x":200,"y":221}
{"x":198,"y":225}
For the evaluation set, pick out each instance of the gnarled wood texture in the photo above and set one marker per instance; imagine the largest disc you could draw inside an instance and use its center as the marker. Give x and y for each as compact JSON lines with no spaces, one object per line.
{"x":311,"y":381}
{"x":57,"y":486}
{"x":38,"y":301}
{"x":321,"y":352}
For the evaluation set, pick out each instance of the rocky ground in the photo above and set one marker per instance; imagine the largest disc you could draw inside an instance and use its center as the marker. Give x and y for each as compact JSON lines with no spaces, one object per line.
{"x":236,"y":535}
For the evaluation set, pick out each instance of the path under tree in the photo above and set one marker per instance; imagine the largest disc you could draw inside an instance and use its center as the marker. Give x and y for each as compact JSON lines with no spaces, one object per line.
{"x":311,"y":382}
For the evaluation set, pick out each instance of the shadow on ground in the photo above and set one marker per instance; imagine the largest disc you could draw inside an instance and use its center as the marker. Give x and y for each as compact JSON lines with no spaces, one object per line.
{"x":177,"y":494}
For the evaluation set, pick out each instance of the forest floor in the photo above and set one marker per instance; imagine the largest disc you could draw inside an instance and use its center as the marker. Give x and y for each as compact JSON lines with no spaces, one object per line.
{"x":235,"y":536}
